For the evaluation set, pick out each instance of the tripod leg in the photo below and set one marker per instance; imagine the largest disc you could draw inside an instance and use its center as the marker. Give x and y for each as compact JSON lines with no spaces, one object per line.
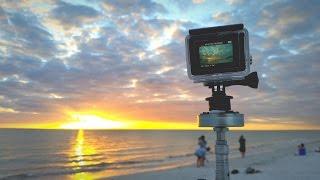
{"x":222,"y":151}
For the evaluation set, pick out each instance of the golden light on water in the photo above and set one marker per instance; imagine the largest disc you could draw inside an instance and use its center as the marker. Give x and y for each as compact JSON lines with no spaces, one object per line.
{"x":80,"y":150}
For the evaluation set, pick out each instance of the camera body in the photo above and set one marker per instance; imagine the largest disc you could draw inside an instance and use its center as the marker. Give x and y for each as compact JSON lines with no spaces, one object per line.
{"x":218,"y":54}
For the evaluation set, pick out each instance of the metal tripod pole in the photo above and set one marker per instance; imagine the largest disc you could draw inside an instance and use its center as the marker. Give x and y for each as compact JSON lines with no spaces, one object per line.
{"x":221,"y":151}
{"x":221,"y":122}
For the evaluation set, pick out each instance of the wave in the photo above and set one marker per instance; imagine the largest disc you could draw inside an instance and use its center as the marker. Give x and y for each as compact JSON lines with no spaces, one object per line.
{"x":87,"y":155}
{"x":72,"y":162}
{"x":60,"y":171}
{"x":73,"y":169}
{"x":180,"y":156}
{"x":18,"y":176}
{"x":170,"y":157}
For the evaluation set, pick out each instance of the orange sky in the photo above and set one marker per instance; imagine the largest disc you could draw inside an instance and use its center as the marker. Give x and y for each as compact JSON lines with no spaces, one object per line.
{"x":114,"y":65}
{"x":102,"y":120}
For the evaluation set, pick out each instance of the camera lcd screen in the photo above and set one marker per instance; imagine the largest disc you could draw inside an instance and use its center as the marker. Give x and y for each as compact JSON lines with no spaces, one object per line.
{"x":215,"y":53}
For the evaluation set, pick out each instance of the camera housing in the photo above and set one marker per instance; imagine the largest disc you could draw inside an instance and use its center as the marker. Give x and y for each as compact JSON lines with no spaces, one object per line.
{"x":218,"y":54}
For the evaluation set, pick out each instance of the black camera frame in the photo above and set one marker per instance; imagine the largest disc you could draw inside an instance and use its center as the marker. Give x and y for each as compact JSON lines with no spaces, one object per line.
{"x":238,"y":68}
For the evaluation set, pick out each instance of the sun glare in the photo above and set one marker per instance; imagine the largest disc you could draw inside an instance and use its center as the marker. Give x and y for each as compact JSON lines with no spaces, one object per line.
{"x":88,"y":121}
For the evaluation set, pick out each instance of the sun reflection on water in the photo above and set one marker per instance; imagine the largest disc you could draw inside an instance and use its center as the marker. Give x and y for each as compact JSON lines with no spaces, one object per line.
{"x":79,"y":152}
{"x":81,"y":157}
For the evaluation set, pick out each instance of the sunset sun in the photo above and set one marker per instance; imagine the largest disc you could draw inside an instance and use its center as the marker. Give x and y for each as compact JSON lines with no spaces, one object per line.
{"x":91,"y":121}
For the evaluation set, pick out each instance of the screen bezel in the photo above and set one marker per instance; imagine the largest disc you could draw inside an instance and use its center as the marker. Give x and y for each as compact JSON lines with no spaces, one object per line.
{"x":238,"y":64}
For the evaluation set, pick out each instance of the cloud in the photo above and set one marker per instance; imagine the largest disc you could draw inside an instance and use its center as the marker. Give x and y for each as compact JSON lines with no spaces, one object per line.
{"x":18,"y":64}
{"x":235,"y":2}
{"x":132,"y":7}
{"x":128,"y":57}
{"x":74,"y":15}
{"x":224,"y":17}
{"x":284,"y":45}
{"x":288,"y":19}
{"x":198,"y":1}
{"x":24,"y":33}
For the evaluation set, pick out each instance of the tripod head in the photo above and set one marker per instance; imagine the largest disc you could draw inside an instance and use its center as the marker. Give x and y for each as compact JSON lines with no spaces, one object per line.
{"x":219,"y":100}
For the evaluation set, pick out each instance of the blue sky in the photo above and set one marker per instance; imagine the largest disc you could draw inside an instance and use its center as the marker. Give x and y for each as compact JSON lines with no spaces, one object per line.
{"x":127,"y":58}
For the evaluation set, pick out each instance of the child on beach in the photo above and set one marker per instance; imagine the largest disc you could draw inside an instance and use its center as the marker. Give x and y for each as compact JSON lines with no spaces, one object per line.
{"x":201,"y":151}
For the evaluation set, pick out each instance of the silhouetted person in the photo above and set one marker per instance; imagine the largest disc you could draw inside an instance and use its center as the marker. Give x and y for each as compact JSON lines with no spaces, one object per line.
{"x":242,"y":148}
{"x":302,"y":150}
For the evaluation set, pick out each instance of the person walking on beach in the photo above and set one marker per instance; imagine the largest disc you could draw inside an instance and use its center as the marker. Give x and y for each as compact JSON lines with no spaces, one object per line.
{"x":201,"y":151}
{"x":242,"y":148}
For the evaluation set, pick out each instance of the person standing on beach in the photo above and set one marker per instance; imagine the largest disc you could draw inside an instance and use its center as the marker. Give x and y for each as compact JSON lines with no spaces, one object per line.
{"x":201,"y":151}
{"x":242,"y":148}
{"x":302,"y":150}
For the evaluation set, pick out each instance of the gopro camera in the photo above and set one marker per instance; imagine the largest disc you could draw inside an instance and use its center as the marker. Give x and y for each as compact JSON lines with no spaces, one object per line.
{"x":218,"y":54}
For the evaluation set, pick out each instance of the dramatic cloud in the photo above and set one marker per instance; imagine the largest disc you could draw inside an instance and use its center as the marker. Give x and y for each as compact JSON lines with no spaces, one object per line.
{"x":74,"y":15}
{"x":23,"y":33}
{"x":127,"y":58}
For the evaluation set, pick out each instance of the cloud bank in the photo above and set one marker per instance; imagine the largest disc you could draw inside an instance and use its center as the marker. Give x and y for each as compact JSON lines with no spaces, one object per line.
{"x":128,"y":58}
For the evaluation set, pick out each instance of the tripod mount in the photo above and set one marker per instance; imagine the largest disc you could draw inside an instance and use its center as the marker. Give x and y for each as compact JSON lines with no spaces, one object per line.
{"x":220,"y":117}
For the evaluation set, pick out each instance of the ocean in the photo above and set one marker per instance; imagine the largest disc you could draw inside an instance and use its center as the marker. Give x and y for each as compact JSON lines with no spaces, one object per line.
{"x":91,"y":154}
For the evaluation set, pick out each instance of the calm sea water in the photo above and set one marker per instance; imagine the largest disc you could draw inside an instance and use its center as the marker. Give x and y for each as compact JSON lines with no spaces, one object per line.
{"x":86,"y":154}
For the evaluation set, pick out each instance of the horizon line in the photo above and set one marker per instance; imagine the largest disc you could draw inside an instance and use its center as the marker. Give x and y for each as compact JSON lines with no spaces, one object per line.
{"x":200,"y":129}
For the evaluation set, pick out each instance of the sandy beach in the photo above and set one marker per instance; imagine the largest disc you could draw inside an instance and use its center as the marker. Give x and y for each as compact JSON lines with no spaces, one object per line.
{"x":278,"y":165}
